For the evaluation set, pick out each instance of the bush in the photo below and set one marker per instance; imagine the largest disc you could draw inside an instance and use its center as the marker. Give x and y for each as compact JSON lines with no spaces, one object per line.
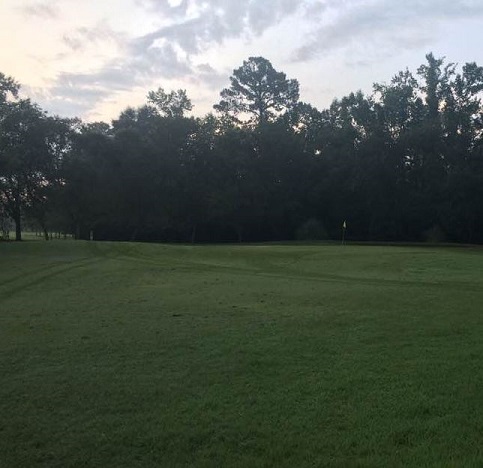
{"x":435,"y":234}
{"x":312,"y":229}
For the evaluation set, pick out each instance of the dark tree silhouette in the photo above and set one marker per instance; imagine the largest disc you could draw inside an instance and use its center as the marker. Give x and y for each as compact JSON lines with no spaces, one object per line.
{"x":258,"y":91}
{"x":404,"y":163}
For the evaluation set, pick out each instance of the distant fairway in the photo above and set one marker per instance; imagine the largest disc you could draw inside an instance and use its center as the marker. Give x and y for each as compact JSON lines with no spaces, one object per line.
{"x":136,"y":355}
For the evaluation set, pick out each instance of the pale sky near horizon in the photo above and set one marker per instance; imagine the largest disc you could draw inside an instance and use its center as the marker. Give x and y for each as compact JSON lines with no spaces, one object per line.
{"x":91,"y":59}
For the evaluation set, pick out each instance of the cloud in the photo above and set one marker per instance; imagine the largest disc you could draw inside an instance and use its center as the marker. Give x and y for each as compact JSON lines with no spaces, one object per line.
{"x":178,"y":9}
{"x":198,"y":24}
{"x":83,"y":91}
{"x":67,"y":108}
{"x":372,"y":29}
{"x":66,"y":104}
{"x":82,"y":37}
{"x":169,"y":51}
{"x":315,"y":10}
{"x":40,"y":10}
{"x":206,"y":75}
{"x":66,"y":99}
{"x":385,"y":24}
{"x":78,"y":94}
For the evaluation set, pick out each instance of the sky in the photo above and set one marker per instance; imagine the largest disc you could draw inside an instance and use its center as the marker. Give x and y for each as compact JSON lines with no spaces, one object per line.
{"x":93,"y":58}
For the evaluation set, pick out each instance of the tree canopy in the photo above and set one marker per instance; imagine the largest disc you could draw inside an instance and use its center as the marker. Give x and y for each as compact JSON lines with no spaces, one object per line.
{"x":259,"y":91}
{"x":172,"y":104}
{"x":402,"y":163}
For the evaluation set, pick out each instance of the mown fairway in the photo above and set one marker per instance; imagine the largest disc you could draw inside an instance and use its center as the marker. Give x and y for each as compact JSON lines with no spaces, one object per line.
{"x":131,"y":355}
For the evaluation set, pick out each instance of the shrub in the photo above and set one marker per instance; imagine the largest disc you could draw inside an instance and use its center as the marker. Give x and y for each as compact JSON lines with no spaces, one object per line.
{"x":312,"y":229}
{"x":435,"y":234}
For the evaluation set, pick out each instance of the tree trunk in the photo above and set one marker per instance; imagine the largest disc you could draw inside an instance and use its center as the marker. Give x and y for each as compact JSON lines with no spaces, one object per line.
{"x":17,"y":215}
{"x":470,"y":224}
{"x":18,"y":226}
{"x":45,"y":232}
{"x":193,"y":234}
{"x":239,"y":233}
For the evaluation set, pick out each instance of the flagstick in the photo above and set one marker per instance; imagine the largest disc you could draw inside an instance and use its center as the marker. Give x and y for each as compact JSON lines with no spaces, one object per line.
{"x":343,"y":236}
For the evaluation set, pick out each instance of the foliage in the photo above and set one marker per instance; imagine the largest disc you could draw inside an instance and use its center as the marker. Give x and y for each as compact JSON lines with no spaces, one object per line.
{"x":258,"y":90}
{"x":435,"y":234}
{"x":394,"y":163}
{"x":32,"y":147}
{"x":8,"y":90}
{"x":312,"y":229}
{"x":172,"y":104}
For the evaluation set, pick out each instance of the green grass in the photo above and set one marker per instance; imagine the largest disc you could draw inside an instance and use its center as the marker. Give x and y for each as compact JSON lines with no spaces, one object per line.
{"x":132,"y":355}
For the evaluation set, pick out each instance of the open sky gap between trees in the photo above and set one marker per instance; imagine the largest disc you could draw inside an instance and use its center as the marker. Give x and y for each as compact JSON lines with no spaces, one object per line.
{"x":404,"y":163}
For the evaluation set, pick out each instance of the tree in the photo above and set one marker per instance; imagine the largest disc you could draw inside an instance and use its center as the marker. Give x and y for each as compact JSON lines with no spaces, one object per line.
{"x":8,"y":88}
{"x":9,"y":194}
{"x":24,"y":158}
{"x":41,"y":204}
{"x":259,"y":91}
{"x":402,"y":162}
{"x":307,"y":122}
{"x":88,"y":193}
{"x":32,"y":146}
{"x":173,"y":104}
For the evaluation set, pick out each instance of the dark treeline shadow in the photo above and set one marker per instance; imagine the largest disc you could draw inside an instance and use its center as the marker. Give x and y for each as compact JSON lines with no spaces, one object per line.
{"x":404,"y":163}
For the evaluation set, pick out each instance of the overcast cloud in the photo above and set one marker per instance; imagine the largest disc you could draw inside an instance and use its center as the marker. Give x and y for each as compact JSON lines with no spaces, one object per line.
{"x":92,"y":59}
{"x":40,"y":10}
{"x":387,"y":24}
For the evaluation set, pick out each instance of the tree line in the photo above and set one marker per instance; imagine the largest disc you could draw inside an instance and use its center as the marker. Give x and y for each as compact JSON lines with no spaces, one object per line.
{"x":404,"y":163}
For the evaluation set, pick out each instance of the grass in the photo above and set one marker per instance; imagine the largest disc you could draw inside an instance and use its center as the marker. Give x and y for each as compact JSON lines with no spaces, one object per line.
{"x":135,"y":355}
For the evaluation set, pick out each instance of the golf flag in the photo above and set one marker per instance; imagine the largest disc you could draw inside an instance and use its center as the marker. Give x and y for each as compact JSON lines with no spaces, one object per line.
{"x":344,"y":225}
